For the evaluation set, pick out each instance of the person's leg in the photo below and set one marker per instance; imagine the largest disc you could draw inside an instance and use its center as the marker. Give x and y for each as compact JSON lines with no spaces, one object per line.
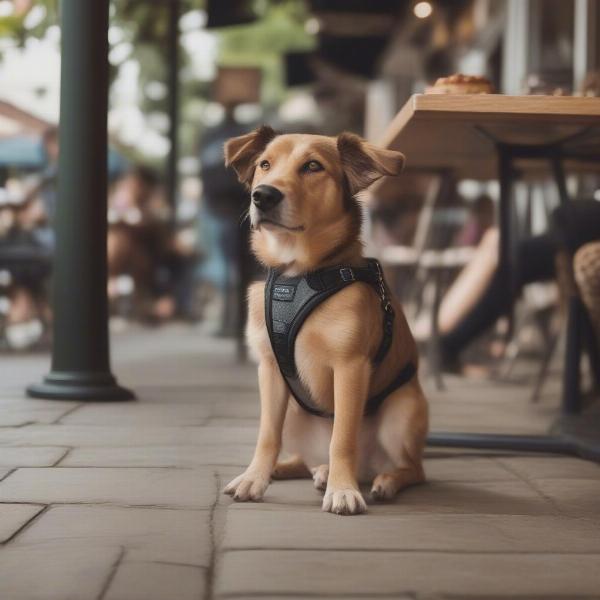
{"x":126,"y":256}
{"x":22,"y":306}
{"x":471,"y":283}
{"x":23,"y":328}
{"x":536,"y":263}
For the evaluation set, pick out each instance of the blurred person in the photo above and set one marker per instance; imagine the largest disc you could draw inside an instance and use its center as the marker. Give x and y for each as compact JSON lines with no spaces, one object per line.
{"x":224,"y":205}
{"x":27,"y":245}
{"x":48,"y":189}
{"x":143,"y":256}
{"x":25,"y":255}
{"x":478,"y":297}
{"x":479,"y":220}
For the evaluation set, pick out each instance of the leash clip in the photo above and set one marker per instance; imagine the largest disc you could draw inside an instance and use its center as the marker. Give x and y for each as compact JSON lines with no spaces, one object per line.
{"x":385,"y":301}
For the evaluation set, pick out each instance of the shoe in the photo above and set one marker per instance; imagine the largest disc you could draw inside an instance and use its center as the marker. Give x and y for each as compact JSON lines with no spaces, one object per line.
{"x":24,"y":335}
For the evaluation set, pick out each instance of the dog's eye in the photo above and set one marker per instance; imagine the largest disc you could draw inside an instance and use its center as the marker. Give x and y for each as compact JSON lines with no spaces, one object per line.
{"x":265,"y":165}
{"x":312,"y":166}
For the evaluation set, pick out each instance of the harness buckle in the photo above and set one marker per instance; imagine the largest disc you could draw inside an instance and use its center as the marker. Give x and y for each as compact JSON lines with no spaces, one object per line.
{"x":347,"y":274}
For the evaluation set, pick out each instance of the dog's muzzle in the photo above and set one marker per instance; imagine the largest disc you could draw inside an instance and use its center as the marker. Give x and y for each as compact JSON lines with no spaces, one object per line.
{"x":266,"y":197}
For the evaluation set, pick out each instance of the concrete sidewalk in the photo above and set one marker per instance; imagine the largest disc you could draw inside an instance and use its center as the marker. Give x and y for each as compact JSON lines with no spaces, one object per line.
{"x":123,"y":501}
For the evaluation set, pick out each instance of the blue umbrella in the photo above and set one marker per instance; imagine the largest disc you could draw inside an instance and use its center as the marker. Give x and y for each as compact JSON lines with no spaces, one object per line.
{"x":27,"y":152}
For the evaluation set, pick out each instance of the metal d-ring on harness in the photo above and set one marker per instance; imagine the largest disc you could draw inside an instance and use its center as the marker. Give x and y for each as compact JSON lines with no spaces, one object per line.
{"x":290,"y":300}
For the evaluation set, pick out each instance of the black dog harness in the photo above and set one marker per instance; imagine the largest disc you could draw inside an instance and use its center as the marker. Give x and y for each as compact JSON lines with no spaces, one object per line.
{"x":290,"y":300}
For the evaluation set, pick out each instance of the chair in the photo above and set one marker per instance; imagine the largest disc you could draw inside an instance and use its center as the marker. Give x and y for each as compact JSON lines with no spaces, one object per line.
{"x":423,"y":264}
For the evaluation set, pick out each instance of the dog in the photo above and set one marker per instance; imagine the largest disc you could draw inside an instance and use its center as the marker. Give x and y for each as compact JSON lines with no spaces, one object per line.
{"x":306,"y":219}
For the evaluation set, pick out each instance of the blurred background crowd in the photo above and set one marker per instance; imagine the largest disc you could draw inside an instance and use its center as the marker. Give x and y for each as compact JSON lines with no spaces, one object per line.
{"x":177,"y":248}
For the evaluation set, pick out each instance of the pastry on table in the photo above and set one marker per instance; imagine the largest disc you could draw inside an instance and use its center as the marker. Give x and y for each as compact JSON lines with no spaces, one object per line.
{"x":461,"y":84}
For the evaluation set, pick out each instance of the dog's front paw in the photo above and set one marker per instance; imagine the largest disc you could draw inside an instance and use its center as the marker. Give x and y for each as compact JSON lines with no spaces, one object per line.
{"x":247,"y":487}
{"x":347,"y":501}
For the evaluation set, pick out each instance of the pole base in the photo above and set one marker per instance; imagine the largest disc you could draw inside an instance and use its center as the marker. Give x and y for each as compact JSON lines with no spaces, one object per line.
{"x":81,"y":386}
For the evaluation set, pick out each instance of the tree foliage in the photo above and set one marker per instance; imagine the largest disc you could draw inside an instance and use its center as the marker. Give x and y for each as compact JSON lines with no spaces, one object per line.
{"x":279,"y":29}
{"x":141,"y":28}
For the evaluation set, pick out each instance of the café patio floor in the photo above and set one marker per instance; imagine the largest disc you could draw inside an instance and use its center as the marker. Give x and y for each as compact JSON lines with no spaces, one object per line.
{"x":124,"y":501}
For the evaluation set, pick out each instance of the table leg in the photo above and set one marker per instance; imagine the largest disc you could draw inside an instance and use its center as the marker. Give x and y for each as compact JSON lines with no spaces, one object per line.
{"x":506,"y":259}
{"x":570,"y":437}
{"x":434,"y":349}
{"x":571,"y":394}
{"x":559,"y":177}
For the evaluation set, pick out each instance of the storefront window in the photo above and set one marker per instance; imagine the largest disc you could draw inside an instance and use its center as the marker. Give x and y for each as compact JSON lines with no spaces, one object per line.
{"x":551,"y":39}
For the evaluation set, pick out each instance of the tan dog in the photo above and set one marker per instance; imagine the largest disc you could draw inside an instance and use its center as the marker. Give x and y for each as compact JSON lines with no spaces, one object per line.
{"x":305,"y":217}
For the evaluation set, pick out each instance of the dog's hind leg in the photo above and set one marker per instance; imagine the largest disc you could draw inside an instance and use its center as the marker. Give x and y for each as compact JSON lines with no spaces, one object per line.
{"x":292,"y":468}
{"x":320,"y":475}
{"x":402,"y":436}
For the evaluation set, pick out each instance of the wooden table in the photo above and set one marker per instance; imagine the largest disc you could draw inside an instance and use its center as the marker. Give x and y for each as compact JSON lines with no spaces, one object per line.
{"x":461,"y":132}
{"x":487,"y":136}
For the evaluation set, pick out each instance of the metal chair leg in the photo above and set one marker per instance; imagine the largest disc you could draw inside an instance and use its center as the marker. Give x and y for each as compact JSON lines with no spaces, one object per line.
{"x":571,"y":400}
{"x":552,"y":343}
{"x":435,"y":356}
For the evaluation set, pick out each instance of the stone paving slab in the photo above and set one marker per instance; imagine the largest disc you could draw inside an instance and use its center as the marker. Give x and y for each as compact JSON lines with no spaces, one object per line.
{"x":238,"y":406}
{"x":551,"y":467}
{"x":249,"y":529}
{"x":484,"y":419}
{"x":21,"y":411}
{"x":511,"y":597}
{"x":153,"y":581}
{"x":454,"y":468}
{"x":100,"y":435}
{"x":189,"y":488}
{"x":193,"y":369}
{"x":14,"y":516}
{"x":577,"y":497}
{"x":487,"y":423}
{"x":160,"y":456}
{"x":361,"y":597}
{"x":487,"y":497}
{"x":57,"y":573}
{"x":466,"y":469}
{"x":224,"y":399}
{"x":483,"y":390}
{"x":147,"y":534}
{"x":512,"y":497}
{"x":485,"y":596}
{"x":264,"y":572}
{"x":31,"y":456}
{"x":137,"y":413}
{"x":135,"y":511}
{"x":248,"y":423}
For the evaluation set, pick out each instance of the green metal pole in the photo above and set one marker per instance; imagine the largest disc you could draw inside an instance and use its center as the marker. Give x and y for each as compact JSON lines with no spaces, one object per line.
{"x":174,"y":8}
{"x":80,"y":354}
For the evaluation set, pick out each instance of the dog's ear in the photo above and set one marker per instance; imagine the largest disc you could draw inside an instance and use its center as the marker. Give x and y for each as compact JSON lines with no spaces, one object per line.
{"x":364,"y":163}
{"x":241,"y":152}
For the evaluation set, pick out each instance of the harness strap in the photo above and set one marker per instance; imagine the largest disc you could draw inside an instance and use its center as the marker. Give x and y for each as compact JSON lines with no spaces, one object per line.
{"x":405,"y":375}
{"x":289,"y":301}
{"x":336,"y":278}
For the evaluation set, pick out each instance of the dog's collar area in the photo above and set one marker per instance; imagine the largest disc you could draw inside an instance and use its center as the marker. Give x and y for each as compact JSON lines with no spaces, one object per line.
{"x":290,"y":300}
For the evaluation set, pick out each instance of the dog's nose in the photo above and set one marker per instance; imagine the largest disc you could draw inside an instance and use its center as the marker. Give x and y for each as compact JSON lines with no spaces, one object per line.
{"x":266,"y":197}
